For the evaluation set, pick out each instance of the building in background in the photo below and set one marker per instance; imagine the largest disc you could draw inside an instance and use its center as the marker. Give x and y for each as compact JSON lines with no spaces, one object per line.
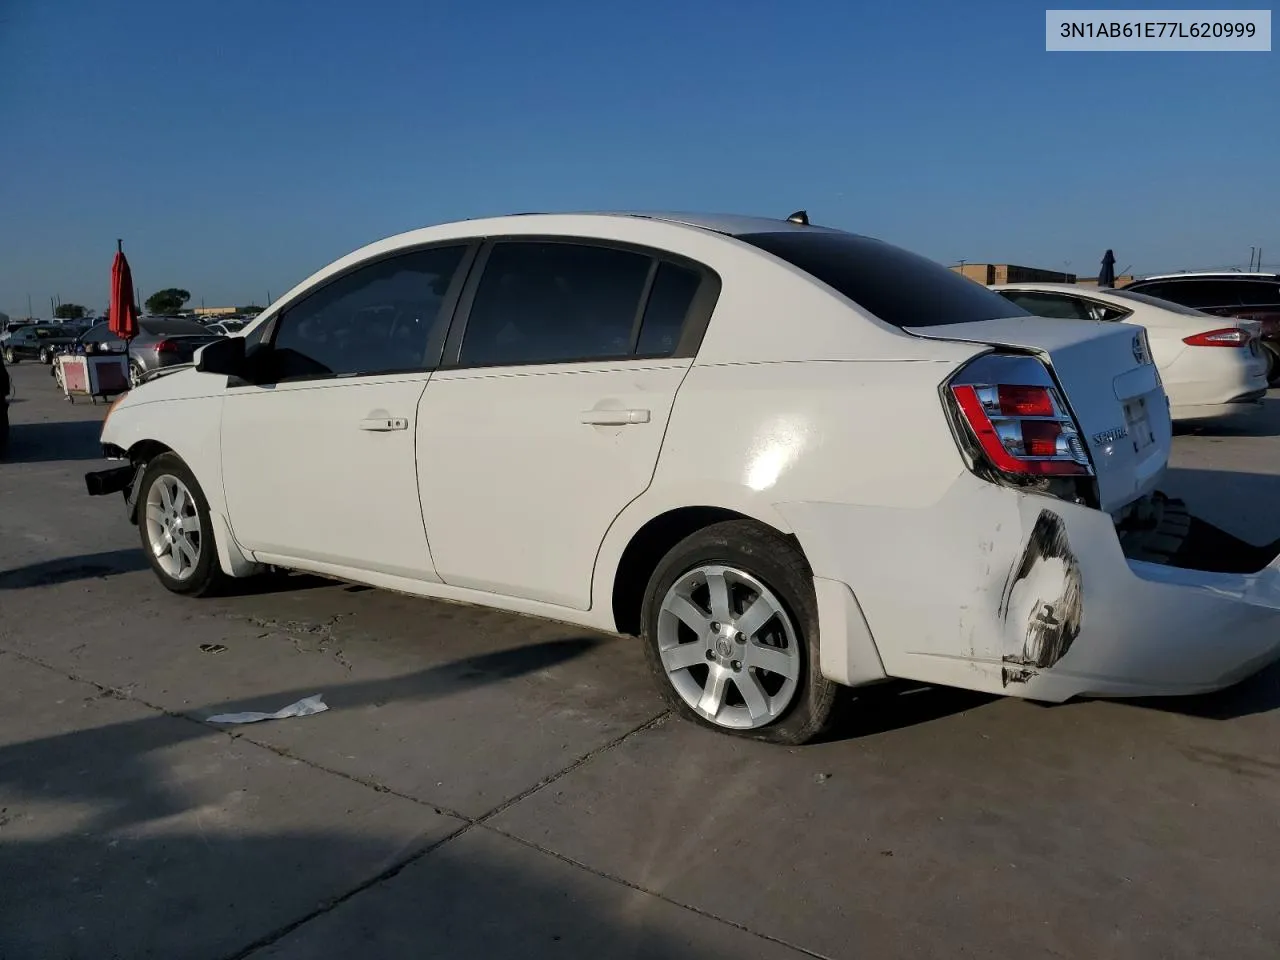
{"x":213,"y":311}
{"x":989,"y":273}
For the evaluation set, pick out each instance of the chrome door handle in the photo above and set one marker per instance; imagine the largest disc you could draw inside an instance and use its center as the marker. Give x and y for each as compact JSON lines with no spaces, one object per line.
{"x":614,"y":418}
{"x":384,"y":424}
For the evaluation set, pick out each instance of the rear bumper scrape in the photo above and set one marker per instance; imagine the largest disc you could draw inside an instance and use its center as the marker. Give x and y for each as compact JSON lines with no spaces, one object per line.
{"x":1003,"y":591}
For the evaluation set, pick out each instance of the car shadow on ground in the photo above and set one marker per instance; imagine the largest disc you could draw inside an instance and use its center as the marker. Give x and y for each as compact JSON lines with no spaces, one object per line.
{"x":1253,"y":695}
{"x":54,"y":440}
{"x":896,"y":705}
{"x":110,"y":563}
{"x":123,"y":794}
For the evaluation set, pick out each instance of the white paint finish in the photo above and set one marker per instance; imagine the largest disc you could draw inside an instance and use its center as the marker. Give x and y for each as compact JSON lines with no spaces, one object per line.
{"x":1094,"y":363}
{"x":851,"y":658}
{"x":931,"y":593}
{"x":800,"y":411}
{"x":305,"y":479}
{"x":518,"y":491}
{"x":1194,"y":377}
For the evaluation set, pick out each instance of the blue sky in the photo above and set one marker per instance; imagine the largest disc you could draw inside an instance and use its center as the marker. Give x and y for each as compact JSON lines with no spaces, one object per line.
{"x":237,"y":146}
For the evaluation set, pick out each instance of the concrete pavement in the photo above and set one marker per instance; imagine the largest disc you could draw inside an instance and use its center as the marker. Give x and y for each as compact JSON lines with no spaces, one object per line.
{"x":487,"y":785}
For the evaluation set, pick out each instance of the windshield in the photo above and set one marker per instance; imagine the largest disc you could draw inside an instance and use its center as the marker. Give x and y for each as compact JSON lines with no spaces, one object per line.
{"x":171,"y":326}
{"x":1157,"y":302}
{"x":900,"y":288}
{"x":46,"y":333}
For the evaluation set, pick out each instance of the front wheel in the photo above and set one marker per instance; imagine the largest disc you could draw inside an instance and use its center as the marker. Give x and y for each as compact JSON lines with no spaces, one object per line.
{"x":177,"y":536}
{"x":730,"y":626}
{"x":135,"y":373}
{"x":44,"y":355}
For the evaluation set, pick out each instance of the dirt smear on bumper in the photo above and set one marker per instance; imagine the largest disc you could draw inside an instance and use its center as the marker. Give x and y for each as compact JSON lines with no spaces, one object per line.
{"x":1042,"y":602}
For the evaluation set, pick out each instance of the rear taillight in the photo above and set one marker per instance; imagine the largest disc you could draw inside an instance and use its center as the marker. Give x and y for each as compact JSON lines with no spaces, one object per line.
{"x":1012,"y":408}
{"x":1227,"y":337}
{"x":166,"y":346}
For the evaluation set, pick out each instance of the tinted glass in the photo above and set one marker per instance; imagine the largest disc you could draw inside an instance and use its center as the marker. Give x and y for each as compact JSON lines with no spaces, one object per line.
{"x":170,"y":327}
{"x":1259,"y":293}
{"x":1195,"y":293}
{"x":1048,"y":304}
{"x":1153,"y":301}
{"x":554,"y":302}
{"x":664,"y":315}
{"x":46,"y":333}
{"x":373,"y":320}
{"x":98,"y":333}
{"x":900,"y":288}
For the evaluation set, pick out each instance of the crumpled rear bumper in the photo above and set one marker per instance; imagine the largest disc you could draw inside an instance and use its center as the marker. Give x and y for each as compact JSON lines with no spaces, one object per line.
{"x":997,"y":590}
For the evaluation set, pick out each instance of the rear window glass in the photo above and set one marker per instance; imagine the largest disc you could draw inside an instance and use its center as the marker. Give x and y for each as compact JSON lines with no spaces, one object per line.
{"x":175,"y":325}
{"x":1153,"y":301}
{"x":900,"y":288}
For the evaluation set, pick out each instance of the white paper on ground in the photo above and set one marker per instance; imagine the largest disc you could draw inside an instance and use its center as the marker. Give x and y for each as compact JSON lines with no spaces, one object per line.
{"x":303,"y":708}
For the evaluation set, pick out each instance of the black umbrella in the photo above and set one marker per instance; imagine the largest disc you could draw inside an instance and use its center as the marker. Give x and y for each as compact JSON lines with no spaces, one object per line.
{"x":1107,"y":275}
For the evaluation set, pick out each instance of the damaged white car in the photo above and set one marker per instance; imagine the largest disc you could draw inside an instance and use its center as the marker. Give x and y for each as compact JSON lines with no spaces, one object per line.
{"x":788,"y":457}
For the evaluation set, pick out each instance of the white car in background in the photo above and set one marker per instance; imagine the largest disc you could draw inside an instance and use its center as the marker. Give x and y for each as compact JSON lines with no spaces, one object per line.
{"x":1213,"y":368}
{"x":788,"y":457}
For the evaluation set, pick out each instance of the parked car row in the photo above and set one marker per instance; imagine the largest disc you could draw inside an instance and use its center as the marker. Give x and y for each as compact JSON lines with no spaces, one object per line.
{"x":787,"y":457}
{"x":161,"y":342}
{"x":1212,"y":368}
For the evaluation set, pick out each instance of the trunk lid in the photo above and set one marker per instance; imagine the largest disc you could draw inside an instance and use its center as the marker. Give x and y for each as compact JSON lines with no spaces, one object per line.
{"x":1110,"y":384}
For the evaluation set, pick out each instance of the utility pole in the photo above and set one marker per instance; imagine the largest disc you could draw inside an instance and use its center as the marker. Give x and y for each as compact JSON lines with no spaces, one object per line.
{"x":28,"y":306}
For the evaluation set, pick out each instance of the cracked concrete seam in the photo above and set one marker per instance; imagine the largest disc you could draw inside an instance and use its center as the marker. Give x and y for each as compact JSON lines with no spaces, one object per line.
{"x":467,"y":824}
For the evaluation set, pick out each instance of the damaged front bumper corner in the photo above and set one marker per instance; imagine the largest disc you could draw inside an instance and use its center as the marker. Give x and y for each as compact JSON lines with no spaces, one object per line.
{"x":1009,"y":592}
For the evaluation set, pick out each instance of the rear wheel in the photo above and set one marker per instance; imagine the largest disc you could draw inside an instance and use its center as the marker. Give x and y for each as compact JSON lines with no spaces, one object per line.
{"x":731,"y":634}
{"x":10,"y":357}
{"x":135,"y":373}
{"x":177,"y":536}
{"x":44,"y":354}
{"x":1273,"y":364}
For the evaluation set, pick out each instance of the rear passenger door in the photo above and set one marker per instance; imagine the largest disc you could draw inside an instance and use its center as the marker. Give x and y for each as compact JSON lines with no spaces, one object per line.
{"x":548,"y":414}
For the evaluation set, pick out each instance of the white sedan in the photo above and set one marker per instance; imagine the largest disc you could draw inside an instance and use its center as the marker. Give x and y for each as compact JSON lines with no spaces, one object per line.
{"x":789,"y":458}
{"x":1212,"y":368}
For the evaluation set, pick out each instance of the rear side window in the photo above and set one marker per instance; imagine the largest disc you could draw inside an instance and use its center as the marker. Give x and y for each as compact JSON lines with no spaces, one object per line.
{"x":547,"y":302}
{"x":664,"y":315}
{"x":1259,"y":293}
{"x":1062,"y":306}
{"x":172,"y":327}
{"x":900,"y":288}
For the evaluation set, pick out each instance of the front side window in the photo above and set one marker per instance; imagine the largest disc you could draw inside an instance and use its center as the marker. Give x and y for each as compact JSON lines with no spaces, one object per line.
{"x":376,"y":319}
{"x":554,"y":302}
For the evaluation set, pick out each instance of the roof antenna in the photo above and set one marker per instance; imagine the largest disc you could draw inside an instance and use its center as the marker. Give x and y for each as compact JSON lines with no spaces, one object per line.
{"x":800,"y":216}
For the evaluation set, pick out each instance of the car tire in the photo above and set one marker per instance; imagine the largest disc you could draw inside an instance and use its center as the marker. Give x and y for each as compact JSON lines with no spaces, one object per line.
{"x":1273,"y":364}
{"x":135,"y":373}
{"x":10,"y":358}
{"x":176,"y":532}
{"x":44,"y":355}
{"x":712,"y":658}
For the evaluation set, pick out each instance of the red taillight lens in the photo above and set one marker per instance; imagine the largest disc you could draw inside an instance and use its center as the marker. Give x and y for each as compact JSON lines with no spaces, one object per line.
{"x":1227,"y":337}
{"x":166,"y":346}
{"x":1023,"y":429}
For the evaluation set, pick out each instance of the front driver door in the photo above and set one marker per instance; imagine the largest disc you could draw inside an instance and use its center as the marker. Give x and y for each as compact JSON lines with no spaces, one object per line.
{"x":551,"y":416}
{"x":318,"y":452}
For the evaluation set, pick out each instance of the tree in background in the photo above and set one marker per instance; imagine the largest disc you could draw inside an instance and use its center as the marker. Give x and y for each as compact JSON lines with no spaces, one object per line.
{"x":70,"y":311}
{"x":251,"y":308}
{"x":167,"y":302}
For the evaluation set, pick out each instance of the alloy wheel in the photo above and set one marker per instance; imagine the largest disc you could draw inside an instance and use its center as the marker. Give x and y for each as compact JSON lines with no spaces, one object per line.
{"x":729,"y":647}
{"x":173,"y":527}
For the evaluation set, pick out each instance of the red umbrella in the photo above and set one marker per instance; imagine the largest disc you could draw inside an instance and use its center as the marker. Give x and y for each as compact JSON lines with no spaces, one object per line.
{"x":123,"y":318}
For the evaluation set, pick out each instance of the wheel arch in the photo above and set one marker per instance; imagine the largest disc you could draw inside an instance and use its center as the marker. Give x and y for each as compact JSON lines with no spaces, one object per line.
{"x":648,"y":544}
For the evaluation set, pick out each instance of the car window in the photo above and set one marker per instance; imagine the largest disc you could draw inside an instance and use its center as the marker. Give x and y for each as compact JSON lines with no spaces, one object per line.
{"x":1061,"y":306}
{"x":900,"y":288}
{"x":554,"y":302}
{"x":169,"y":326}
{"x":1196,"y":293}
{"x":376,"y":319}
{"x":670,"y":298}
{"x":98,"y":333}
{"x":1259,"y":293}
{"x":1152,"y":300}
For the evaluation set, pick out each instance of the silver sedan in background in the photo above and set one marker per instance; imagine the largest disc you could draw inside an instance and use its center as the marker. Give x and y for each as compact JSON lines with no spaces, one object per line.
{"x":161,"y":342}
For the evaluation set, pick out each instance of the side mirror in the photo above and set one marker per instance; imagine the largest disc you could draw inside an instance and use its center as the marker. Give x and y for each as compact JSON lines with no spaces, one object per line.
{"x":224,"y":356}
